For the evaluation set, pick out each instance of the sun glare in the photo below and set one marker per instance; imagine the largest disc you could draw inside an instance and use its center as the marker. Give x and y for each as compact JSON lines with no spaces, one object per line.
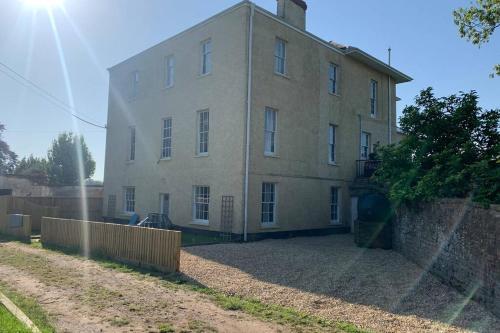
{"x":42,"y":3}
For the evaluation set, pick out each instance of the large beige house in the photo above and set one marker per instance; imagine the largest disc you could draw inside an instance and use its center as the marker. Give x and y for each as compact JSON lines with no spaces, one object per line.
{"x":246,"y":123}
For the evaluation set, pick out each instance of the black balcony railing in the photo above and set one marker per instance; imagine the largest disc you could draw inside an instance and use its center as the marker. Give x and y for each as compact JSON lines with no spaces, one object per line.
{"x":366,"y":168}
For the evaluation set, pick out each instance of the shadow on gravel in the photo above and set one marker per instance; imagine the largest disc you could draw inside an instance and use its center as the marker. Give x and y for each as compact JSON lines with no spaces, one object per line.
{"x":334,"y":267}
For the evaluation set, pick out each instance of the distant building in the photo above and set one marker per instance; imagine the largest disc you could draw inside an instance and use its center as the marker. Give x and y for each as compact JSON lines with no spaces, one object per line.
{"x":246,"y":123}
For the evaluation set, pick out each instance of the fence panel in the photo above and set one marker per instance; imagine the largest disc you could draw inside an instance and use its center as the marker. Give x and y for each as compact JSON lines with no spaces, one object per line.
{"x":156,"y":248}
{"x":16,"y":225}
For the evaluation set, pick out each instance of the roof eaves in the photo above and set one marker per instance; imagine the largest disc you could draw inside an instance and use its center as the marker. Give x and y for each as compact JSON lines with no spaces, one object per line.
{"x":376,"y":63}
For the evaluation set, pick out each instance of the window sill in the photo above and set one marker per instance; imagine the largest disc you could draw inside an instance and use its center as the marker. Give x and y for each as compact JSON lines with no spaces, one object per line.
{"x":201,"y":155}
{"x":165,"y":88}
{"x":335,"y":223}
{"x":199,"y":222}
{"x":129,"y":162}
{"x":271,"y":155}
{"x":164,"y":159}
{"x":204,"y":75}
{"x":285,"y":76}
{"x":269,"y":226}
{"x":373,"y":116}
{"x":333,"y":164}
{"x":334,"y":94}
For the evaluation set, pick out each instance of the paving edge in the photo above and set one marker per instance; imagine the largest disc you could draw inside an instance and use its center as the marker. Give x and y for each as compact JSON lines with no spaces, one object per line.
{"x":18,"y":313}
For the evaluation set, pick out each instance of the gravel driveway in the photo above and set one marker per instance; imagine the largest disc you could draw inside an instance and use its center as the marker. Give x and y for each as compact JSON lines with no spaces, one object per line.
{"x":329,"y":276}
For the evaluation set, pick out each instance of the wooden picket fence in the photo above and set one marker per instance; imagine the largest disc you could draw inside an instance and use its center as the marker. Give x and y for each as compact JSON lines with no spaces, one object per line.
{"x":68,"y":208}
{"x":145,"y":247}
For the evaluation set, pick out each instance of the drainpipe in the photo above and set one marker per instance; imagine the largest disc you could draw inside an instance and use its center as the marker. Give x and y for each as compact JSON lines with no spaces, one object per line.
{"x":249,"y":108}
{"x":389,"y":120}
{"x":389,"y":113}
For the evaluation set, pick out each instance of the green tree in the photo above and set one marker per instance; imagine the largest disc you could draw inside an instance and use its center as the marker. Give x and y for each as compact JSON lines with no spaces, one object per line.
{"x":478,"y":23}
{"x":8,"y":159}
{"x":62,"y":158}
{"x":451,"y":149}
{"x":33,"y":168}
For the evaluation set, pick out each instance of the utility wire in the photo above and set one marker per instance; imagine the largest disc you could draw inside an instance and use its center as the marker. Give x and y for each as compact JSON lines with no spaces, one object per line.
{"x":11,"y":73}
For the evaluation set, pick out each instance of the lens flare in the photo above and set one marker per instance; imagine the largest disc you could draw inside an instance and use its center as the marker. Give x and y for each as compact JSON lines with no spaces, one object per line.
{"x":43,"y":3}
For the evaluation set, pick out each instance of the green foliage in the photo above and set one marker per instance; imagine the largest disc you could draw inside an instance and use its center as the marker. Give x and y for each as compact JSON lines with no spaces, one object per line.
{"x":33,"y":168}
{"x":63,"y":160}
{"x":477,"y":24}
{"x":8,"y":159}
{"x":451,"y":149}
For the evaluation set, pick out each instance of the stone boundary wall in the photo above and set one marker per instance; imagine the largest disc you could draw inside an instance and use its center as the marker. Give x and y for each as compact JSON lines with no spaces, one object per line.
{"x":457,"y":241}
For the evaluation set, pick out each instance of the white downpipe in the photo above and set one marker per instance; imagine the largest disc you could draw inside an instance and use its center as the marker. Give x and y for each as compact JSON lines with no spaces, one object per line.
{"x":389,"y":120}
{"x":249,"y":109}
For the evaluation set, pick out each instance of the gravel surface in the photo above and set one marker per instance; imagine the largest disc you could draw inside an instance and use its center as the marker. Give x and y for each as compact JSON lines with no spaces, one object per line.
{"x":80,"y":296}
{"x":330,"y":277}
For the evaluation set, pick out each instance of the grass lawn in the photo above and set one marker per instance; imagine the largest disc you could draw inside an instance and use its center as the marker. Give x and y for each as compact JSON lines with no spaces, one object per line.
{"x":10,"y":324}
{"x":30,"y":308}
{"x":190,"y":239}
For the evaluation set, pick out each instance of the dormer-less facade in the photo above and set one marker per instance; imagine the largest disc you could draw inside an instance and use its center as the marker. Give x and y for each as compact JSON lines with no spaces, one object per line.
{"x":247,"y":123}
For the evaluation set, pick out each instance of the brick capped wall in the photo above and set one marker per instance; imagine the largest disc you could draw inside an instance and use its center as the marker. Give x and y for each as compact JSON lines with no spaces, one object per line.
{"x":457,"y":241}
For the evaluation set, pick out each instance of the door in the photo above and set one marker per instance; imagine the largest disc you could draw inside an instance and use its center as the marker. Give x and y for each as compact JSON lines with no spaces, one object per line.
{"x":354,"y":212}
{"x":165,"y":204}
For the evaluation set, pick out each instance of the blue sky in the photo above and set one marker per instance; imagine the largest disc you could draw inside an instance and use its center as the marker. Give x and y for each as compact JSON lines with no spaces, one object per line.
{"x":96,"y":34}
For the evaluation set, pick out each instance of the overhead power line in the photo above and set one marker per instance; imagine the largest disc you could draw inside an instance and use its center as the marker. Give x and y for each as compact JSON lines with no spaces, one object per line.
{"x":12,"y":74}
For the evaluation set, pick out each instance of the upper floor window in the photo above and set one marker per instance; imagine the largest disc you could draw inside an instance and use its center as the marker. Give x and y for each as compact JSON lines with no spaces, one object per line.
{"x":268,"y":204}
{"x":373,"y":97}
{"x":334,"y":205}
{"x":166,"y":140}
{"x":135,"y":84}
{"x":365,"y":145}
{"x":129,"y":199}
{"x":332,"y":78}
{"x":203,"y":128}
{"x":169,"y":71}
{"x":206,"y":57}
{"x":331,"y":144}
{"x":280,"y":56}
{"x":201,"y":201}
{"x":270,"y":126}
{"x":131,"y":155}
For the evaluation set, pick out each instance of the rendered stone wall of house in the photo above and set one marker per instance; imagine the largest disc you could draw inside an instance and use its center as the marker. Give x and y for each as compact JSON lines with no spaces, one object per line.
{"x":457,"y":241}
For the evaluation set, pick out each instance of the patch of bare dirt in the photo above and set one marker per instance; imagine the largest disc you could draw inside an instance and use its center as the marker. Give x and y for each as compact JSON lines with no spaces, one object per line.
{"x":329,"y":276}
{"x":81,"y":296}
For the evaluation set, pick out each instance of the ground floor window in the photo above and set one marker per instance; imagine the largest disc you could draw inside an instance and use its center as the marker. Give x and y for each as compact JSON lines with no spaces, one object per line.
{"x":334,"y":205}
{"x":268,"y":203}
{"x":165,"y":204}
{"x":201,"y":200}
{"x":129,"y":199}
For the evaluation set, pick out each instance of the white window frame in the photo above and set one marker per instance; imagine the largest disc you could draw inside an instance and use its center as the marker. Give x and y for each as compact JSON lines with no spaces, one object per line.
{"x":364,"y":146}
{"x":132,"y":143}
{"x":203,"y":134}
{"x":332,"y":141}
{"x":169,"y":71}
{"x":266,"y":201}
{"x":335,"y":206}
{"x":280,"y":53}
{"x":129,"y":200}
{"x":373,"y":98}
{"x":166,"y":139}
{"x":201,"y":204}
{"x":270,"y":131}
{"x":206,"y":57}
{"x":333,"y":71}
